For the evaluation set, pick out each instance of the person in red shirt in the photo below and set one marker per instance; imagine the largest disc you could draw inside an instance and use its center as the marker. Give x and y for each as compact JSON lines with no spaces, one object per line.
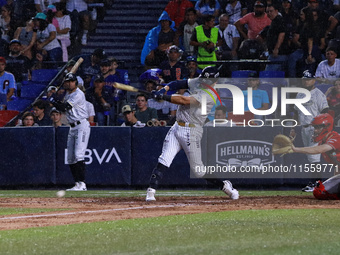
{"x":176,"y":10}
{"x":329,"y":147}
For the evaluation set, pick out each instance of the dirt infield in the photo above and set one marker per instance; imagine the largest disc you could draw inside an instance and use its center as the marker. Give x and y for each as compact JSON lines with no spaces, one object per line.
{"x":81,"y":210}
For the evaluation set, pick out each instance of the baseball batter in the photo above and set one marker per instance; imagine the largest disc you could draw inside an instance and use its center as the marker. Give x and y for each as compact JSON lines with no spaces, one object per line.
{"x":187,"y":131}
{"x":329,"y":147}
{"x":316,"y":105}
{"x":74,"y":105}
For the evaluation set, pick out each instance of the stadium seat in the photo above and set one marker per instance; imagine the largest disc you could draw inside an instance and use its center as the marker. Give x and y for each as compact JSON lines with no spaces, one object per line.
{"x":32,"y":90}
{"x":6,"y":116}
{"x":19,"y":104}
{"x":272,"y":74}
{"x":241,"y":73}
{"x":43,"y":75}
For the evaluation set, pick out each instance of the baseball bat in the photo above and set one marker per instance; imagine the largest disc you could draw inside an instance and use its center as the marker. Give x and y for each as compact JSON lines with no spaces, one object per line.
{"x":76,"y":65}
{"x":121,"y":86}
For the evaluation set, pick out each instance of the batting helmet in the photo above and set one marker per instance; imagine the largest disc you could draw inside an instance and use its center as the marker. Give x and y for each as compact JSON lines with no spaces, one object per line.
{"x":70,"y":77}
{"x":210,"y":72}
{"x":326,"y":120}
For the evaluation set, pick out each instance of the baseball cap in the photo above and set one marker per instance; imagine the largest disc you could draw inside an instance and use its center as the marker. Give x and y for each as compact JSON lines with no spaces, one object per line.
{"x":105,"y":62}
{"x":253,"y":75}
{"x":50,"y":88}
{"x":307,"y":75}
{"x":14,"y":41}
{"x":259,"y":3}
{"x":127,"y":109}
{"x":99,"y":79}
{"x":2,"y":60}
{"x":99,"y":53}
{"x":41,"y":16}
{"x":70,"y":77}
{"x":191,"y":59}
{"x":52,"y":8}
{"x":54,"y":110}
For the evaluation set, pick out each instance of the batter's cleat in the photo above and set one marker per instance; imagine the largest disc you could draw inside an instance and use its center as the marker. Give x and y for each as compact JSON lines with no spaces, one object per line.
{"x":82,"y":186}
{"x":75,"y":187}
{"x":309,"y":188}
{"x":150,"y":195}
{"x":229,"y":190}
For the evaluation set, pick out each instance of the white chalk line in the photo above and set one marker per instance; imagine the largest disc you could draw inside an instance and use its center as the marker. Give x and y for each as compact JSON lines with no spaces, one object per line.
{"x":87,"y":212}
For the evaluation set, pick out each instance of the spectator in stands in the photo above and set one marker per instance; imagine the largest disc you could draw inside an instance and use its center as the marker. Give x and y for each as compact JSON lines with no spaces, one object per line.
{"x":108,"y":69}
{"x":333,"y":98}
{"x":192,"y":67}
{"x":235,"y":10}
{"x":157,"y":41}
{"x":90,"y":66}
{"x":46,"y":39}
{"x":130,"y":118}
{"x":256,"y":21}
{"x":144,"y":113}
{"x":173,"y":69}
{"x":7,"y":25}
{"x":207,"y":7}
{"x":220,"y":118}
{"x":55,"y":116}
{"x":7,"y":80}
{"x":27,"y":120}
{"x":63,"y":31}
{"x":41,"y":5}
{"x":50,"y":15}
{"x":276,"y":39}
{"x":91,"y":113}
{"x":325,"y":21}
{"x":102,"y":100}
{"x":206,"y":38}
{"x":290,"y":17}
{"x":80,"y":17}
{"x":231,"y":37}
{"x":260,"y":97}
{"x":185,"y":30}
{"x":40,"y":111}
{"x":27,"y":35}
{"x":329,"y":69}
{"x":150,"y":85}
{"x":299,"y":44}
{"x":50,"y":91}
{"x":177,"y":9}
{"x":18,"y":64}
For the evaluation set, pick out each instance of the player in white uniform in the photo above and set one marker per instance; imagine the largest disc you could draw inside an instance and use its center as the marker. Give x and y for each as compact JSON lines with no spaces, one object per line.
{"x":74,"y":105}
{"x":187,"y":131}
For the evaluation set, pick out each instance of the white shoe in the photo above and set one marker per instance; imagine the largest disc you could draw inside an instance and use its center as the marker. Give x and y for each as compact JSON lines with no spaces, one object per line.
{"x":84,"y":39}
{"x":150,"y":194}
{"x":74,"y":188}
{"x":229,"y":190}
{"x":79,"y":186}
{"x":82,"y":186}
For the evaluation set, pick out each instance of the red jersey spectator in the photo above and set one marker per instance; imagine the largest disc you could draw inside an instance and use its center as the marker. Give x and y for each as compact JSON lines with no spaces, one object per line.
{"x":176,"y":10}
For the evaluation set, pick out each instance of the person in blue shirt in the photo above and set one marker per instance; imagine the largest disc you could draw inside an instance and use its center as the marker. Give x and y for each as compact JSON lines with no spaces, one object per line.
{"x":260,"y":97}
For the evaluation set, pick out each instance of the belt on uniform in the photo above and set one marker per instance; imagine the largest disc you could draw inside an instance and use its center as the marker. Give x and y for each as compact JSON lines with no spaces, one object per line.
{"x":75,"y":123}
{"x":185,"y":124}
{"x":306,"y":126}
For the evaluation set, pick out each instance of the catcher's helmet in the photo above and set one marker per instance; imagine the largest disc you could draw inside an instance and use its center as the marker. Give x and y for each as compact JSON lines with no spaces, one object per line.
{"x":327,"y":121}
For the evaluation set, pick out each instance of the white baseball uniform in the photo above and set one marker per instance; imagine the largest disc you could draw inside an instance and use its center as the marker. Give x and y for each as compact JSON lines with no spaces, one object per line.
{"x":79,"y":133}
{"x":187,"y":132}
{"x":315,"y":105}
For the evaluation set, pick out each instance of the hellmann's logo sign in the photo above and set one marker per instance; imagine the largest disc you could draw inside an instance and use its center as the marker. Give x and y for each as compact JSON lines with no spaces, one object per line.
{"x":239,"y":153}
